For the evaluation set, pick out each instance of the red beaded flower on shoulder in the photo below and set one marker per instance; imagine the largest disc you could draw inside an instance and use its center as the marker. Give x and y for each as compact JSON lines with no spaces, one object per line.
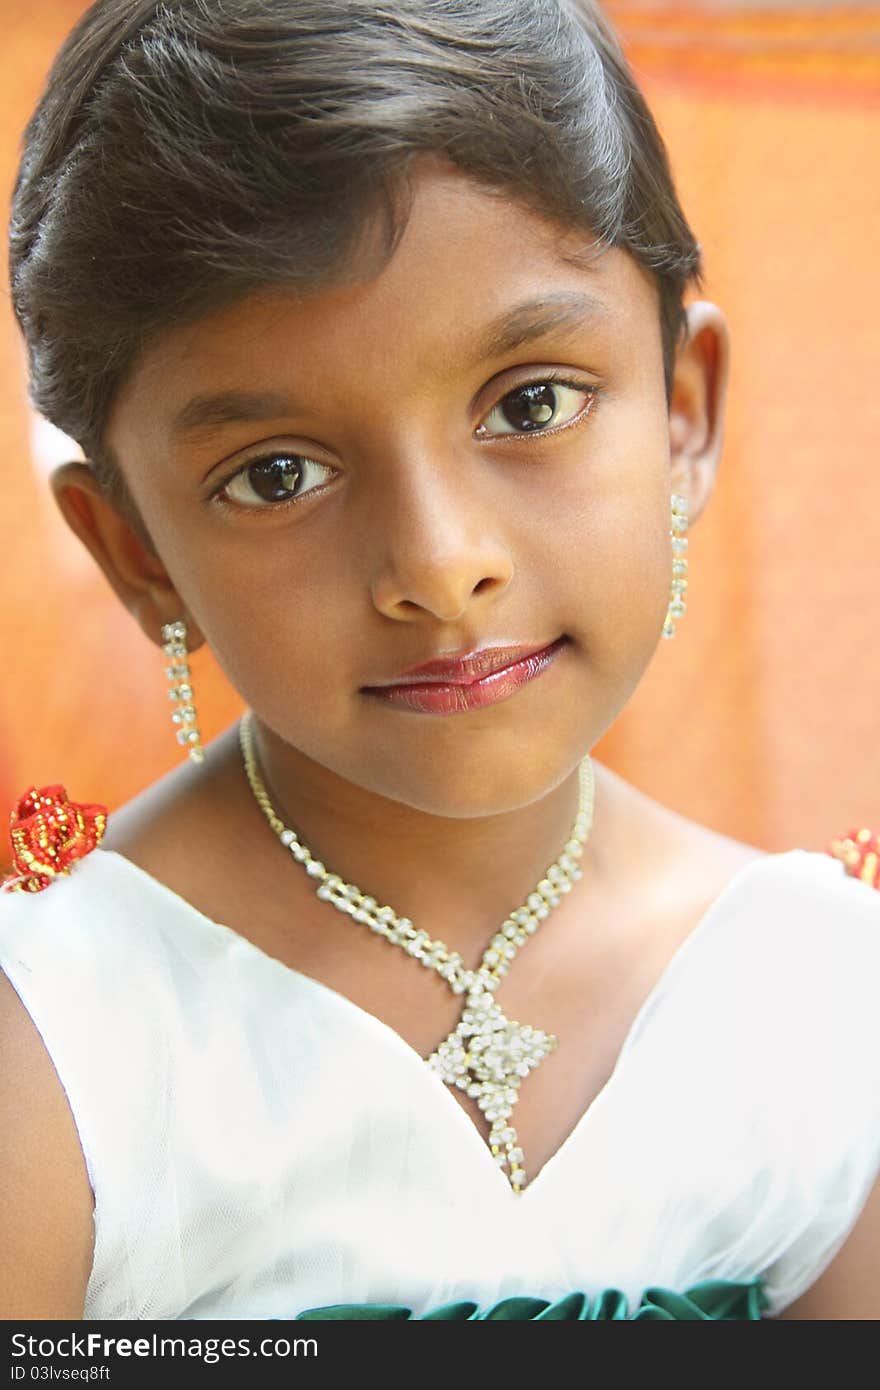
{"x":48,"y":833}
{"x":859,"y":851}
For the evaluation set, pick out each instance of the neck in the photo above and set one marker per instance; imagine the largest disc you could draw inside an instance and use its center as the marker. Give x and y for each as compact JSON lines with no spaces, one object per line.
{"x":455,"y":877}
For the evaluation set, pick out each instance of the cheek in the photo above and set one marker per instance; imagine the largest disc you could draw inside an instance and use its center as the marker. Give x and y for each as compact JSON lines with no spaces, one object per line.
{"x":618,"y":587}
{"x":612,"y":549}
{"x":286,"y":632}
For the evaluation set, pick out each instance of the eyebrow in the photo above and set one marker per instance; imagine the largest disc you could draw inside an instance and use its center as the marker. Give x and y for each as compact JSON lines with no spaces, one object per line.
{"x":537,"y":317}
{"x":527,"y":321}
{"x":213,"y":408}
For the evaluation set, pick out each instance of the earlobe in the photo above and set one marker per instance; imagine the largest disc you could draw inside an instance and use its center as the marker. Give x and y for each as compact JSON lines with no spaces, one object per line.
{"x":134,"y":572}
{"x":697,"y":406}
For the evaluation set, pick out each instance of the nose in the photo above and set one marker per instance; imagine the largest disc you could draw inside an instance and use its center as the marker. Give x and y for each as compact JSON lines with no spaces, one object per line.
{"x":439,"y":541}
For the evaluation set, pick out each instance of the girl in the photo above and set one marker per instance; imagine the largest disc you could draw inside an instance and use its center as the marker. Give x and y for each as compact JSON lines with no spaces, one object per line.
{"x":370,"y":324}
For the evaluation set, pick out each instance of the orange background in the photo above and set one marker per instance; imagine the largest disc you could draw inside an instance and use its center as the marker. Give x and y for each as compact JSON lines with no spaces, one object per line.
{"x":760,"y":718}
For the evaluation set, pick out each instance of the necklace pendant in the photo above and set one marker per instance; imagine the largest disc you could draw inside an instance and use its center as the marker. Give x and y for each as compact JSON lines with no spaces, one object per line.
{"x":487,"y":1056}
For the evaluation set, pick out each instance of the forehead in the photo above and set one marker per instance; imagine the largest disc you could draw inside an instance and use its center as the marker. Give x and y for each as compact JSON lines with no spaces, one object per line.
{"x":471,"y":265}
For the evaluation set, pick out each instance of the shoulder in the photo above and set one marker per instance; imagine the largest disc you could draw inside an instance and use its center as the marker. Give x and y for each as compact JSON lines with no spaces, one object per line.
{"x":827,"y":964}
{"x":677,"y":866}
{"x":190,"y":834}
{"x":793,"y":977}
{"x":82,"y":917}
{"x":811,"y":926}
{"x":772,"y":1001}
{"x":792,"y":946}
{"x":797,"y":895}
{"x":784,"y":940}
{"x":106,"y":954}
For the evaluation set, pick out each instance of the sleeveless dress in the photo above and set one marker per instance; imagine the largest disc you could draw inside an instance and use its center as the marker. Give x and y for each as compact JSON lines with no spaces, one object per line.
{"x":261,"y":1147}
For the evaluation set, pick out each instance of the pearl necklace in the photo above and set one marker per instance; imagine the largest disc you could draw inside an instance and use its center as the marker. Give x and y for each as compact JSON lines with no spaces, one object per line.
{"x":486,"y":1055}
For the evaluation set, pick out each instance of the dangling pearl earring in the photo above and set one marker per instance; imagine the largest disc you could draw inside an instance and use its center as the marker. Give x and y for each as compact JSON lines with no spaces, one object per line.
{"x":678,"y":532}
{"x":178,"y":673}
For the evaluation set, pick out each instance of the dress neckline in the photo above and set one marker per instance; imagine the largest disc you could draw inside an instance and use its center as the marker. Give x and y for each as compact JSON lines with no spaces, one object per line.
{"x":364,"y":1019}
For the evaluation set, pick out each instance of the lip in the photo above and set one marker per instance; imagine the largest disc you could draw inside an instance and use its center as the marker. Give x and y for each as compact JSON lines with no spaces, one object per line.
{"x":460,"y":670}
{"x":471,"y":682}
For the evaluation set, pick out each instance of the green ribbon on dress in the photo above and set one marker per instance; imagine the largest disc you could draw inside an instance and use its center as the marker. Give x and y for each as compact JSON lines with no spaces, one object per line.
{"x":714,"y":1300}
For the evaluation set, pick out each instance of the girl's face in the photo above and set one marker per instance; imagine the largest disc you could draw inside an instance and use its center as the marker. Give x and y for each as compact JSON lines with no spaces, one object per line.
{"x":471,"y":449}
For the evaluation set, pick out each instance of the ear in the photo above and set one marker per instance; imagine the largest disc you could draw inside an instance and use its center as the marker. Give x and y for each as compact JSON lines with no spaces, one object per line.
{"x":120,"y":549}
{"x":697,"y":406}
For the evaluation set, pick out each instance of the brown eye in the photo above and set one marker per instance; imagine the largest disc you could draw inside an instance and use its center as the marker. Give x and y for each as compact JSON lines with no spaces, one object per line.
{"x":271,"y":481}
{"x":537,"y":405}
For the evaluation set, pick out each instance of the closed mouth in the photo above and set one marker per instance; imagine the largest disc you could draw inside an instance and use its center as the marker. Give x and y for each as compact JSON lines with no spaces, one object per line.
{"x":467,"y":669}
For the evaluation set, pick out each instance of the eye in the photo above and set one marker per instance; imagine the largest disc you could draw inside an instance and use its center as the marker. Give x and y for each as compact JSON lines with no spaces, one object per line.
{"x":538,"y":406}
{"x":274,"y":480}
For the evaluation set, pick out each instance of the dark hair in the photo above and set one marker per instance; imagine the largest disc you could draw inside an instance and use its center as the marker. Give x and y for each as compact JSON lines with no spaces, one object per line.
{"x":187,"y":152}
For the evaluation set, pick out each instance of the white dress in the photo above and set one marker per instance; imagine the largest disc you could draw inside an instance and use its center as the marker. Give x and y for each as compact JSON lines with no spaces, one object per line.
{"x":258,"y":1145}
